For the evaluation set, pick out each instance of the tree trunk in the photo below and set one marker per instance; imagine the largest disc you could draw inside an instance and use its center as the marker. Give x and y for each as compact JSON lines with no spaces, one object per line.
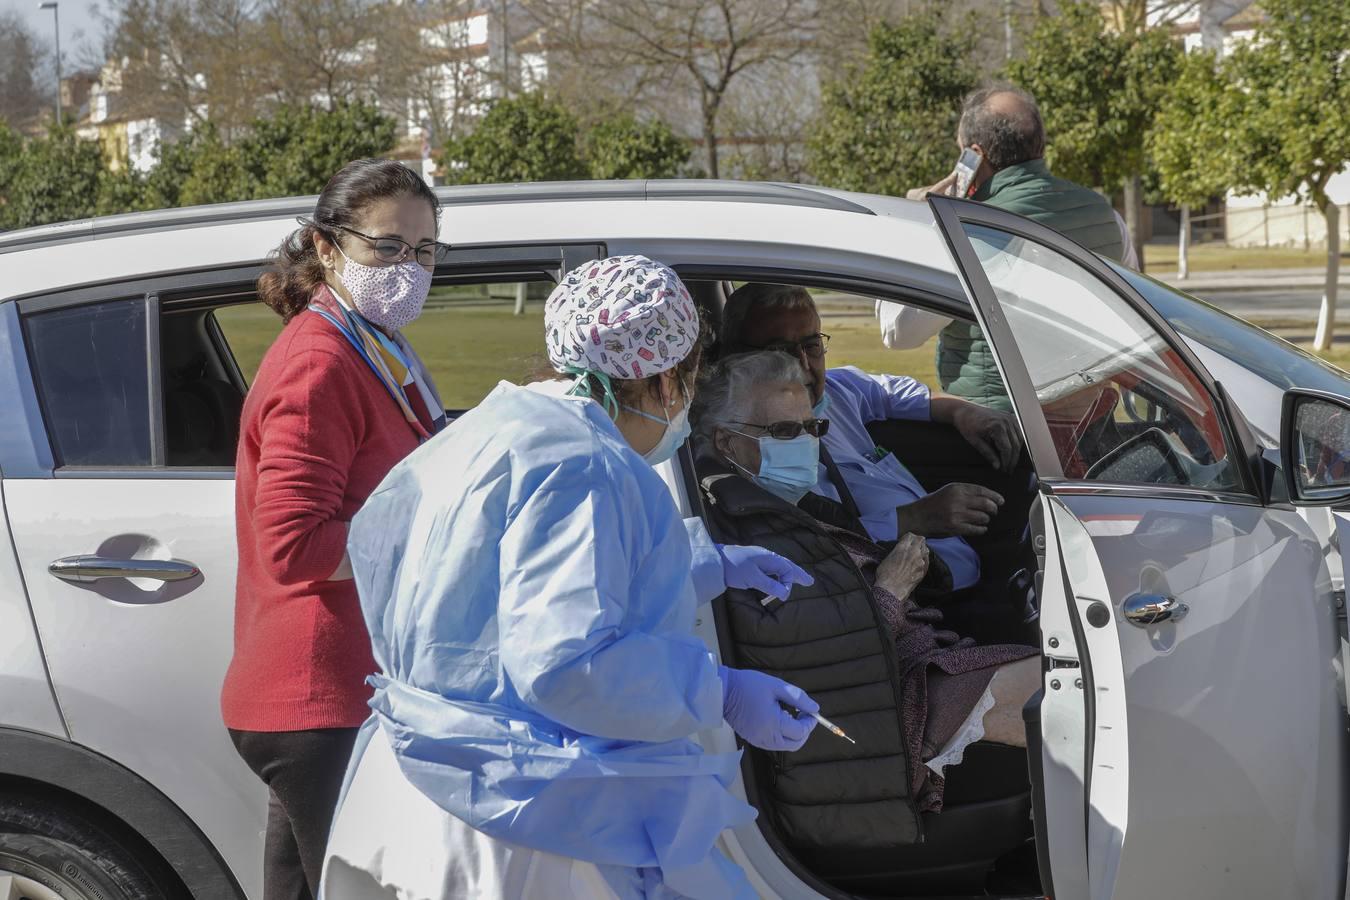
{"x":711,"y":101}
{"x":1326,"y":322}
{"x":1134,"y":209}
{"x":520,"y":298}
{"x":1184,"y":244}
{"x":710,"y":146}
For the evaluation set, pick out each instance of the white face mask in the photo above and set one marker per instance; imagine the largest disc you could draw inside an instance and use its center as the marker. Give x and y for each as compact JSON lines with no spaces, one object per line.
{"x":387,"y":296}
{"x":676,"y":433}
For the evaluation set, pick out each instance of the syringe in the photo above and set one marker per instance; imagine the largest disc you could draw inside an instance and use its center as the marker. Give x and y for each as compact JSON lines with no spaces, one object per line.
{"x":833,"y":728}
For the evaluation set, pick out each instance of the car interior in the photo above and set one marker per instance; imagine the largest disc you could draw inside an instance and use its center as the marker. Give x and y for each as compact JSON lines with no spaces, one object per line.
{"x":981,"y":844}
{"x":203,"y":390}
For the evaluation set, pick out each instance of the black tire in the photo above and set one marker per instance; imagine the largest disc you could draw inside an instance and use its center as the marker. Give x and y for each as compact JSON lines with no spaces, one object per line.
{"x":62,"y":868}
{"x":125,"y":857}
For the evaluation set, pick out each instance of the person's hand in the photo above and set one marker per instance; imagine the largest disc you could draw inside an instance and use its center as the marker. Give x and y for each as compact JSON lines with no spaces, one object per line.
{"x":757,"y":569}
{"x":943,"y":187}
{"x":904,"y":567}
{"x":964,"y":510}
{"x":752,"y":704}
{"x":992,"y":433}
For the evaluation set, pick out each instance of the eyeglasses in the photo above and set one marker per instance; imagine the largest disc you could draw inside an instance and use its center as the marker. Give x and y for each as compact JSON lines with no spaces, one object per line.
{"x":813,"y":345}
{"x":789,"y":429}
{"x":392,"y":249}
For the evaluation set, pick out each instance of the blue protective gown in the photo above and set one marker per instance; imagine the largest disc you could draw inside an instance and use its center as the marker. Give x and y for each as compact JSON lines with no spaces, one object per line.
{"x":526,"y":579}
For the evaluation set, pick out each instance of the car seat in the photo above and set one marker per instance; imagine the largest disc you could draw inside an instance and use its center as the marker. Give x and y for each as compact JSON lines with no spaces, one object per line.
{"x":994,"y":611}
{"x":710,"y":297}
{"x":986,"y":816}
{"x":201,"y":421}
{"x":1070,"y":429}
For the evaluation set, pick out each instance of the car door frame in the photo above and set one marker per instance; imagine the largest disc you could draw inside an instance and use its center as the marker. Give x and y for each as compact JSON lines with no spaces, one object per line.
{"x":1254,"y":489}
{"x":28,"y":451}
{"x":39,"y":458}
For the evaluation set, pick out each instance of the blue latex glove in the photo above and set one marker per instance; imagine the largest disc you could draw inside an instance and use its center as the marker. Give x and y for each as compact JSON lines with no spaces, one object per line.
{"x":752,"y":704}
{"x":758,"y":569}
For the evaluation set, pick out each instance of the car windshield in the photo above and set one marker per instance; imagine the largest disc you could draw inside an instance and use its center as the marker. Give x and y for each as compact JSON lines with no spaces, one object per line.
{"x":1264,"y":354}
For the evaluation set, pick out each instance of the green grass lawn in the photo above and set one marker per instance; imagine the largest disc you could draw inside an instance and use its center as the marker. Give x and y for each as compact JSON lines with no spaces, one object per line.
{"x":470,"y":347}
{"x":1161,"y":259}
{"x":467,"y":348}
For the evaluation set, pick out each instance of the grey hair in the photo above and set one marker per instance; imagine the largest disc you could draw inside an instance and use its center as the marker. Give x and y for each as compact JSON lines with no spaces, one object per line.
{"x":1006,"y":139}
{"x":752,"y":296}
{"x":724,"y":392}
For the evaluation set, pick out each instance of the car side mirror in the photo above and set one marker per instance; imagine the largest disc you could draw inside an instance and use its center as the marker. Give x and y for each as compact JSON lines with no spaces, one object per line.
{"x":1315,"y":447}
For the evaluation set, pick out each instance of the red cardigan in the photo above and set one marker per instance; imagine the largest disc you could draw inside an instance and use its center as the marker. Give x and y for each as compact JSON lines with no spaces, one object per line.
{"x":319,"y":433}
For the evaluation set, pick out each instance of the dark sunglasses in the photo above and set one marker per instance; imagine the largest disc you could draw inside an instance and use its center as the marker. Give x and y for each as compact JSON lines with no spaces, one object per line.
{"x":787,"y":430}
{"x":391,"y":249}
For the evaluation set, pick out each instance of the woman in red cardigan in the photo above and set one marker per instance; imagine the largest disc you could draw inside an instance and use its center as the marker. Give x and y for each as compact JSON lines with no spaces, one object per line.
{"x":340,"y":398}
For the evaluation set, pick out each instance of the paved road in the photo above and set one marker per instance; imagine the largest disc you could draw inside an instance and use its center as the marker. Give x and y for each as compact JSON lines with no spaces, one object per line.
{"x":1297,"y":304}
{"x":1266,"y":293}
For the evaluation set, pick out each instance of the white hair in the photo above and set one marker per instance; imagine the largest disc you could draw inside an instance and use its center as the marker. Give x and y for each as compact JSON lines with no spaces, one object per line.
{"x":725,"y":392}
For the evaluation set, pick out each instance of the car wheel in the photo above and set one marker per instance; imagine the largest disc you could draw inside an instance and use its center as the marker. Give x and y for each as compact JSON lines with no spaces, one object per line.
{"x":124,"y":857}
{"x":33,"y":867}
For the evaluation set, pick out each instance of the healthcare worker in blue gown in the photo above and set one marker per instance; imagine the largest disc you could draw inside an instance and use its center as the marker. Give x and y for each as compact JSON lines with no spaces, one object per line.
{"x":530,"y":589}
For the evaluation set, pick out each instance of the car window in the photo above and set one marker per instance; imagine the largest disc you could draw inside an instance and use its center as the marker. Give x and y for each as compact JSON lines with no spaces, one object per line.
{"x":854,"y":323}
{"x":468,"y":335}
{"x":1121,"y":404}
{"x":90,"y":367}
{"x":1255,"y":349}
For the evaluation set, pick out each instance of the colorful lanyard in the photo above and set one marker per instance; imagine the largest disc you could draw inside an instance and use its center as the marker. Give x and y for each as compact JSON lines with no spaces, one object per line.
{"x":382,"y":362}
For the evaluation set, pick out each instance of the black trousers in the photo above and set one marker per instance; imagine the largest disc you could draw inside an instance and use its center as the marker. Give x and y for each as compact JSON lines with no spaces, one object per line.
{"x":303,"y":771}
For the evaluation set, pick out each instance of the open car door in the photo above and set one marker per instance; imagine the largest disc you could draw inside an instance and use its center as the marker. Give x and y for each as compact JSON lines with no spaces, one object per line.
{"x":1315,"y":460}
{"x":1193,"y":740}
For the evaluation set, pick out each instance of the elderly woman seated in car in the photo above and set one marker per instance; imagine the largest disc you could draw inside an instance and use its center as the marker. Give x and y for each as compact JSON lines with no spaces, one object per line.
{"x":856,"y":639}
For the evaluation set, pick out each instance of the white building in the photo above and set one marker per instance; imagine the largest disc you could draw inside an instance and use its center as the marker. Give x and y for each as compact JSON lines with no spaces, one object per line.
{"x":128,"y":140}
{"x":1258,"y":220}
{"x":481,"y":55}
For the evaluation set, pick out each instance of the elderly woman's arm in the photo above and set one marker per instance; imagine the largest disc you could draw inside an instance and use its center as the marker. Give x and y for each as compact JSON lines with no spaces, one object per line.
{"x":904,"y":567}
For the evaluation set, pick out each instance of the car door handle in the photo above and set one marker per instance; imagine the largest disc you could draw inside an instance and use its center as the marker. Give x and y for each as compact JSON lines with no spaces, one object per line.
{"x":1150,"y":609}
{"x":88,"y":569}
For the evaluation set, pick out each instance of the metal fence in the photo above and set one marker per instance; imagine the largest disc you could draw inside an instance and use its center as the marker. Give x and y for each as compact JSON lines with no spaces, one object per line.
{"x":1268,"y":225}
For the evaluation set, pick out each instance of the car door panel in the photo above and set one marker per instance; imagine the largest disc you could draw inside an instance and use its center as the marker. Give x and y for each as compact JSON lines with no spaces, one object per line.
{"x":1100,"y":677}
{"x":1231,"y":714}
{"x":26,"y":698}
{"x":1215,"y":746}
{"x":135,"y":663}
{"x":137,"y":666}
{"x":1063,"y":718}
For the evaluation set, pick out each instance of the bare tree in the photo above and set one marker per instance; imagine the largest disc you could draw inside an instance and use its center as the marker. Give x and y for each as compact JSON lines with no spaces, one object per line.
{"x":767,"y":118}
{"x":669,"y":50}
{"x":578,"y":45}
{"x":193,"y":60}
{"x":320,"y":51}
{"x":435,"y":64}
{"x":22,"y":61}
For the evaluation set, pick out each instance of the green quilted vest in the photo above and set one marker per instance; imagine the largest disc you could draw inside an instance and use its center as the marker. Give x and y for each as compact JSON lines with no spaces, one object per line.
{"x":965,"y":364}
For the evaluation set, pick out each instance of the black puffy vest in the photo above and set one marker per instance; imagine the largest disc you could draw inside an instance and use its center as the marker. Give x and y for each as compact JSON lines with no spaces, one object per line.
{"x":830,"y":640}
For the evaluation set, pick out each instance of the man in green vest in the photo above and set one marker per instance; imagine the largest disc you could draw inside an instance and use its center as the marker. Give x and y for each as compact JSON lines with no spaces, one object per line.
{"x":1003,"y":125}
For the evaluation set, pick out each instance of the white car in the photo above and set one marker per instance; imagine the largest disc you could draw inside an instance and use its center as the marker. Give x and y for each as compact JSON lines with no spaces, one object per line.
{"x":1191,"y":737}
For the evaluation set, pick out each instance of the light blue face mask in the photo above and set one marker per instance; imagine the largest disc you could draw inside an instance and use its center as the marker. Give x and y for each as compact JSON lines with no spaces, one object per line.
{"x":787,"y":469}
{"x":677,"y":431}
{"x":822,"y":406}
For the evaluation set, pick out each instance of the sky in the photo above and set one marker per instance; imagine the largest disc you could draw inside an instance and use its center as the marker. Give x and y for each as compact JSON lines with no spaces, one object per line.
{"x":79,"y":25}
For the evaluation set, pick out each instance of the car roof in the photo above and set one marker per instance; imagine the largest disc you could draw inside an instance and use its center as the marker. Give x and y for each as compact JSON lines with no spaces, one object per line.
{"x":110,"y":248}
